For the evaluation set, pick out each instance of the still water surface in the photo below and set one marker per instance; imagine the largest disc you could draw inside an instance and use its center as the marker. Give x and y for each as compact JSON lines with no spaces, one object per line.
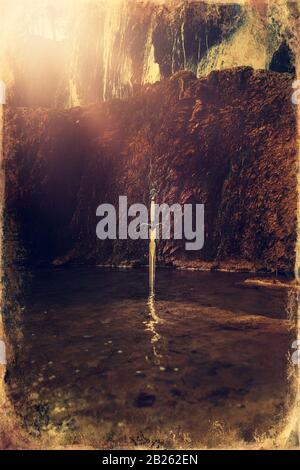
{"x":203,"y":361}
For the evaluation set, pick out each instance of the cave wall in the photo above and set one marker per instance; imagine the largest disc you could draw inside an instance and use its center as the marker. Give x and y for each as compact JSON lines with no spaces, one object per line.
{"x":85,"y":53}
{"x":227,"y":141}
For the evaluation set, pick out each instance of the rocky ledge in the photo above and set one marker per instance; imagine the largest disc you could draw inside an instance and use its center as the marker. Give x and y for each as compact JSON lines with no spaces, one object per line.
{"x":227,"y":141}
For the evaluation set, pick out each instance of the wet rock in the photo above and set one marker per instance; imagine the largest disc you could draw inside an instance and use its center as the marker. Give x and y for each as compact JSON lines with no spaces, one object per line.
{"x":145,"y":400}
{"x":219,"y":394}
{"x":230,"y":145}
{"x":176,"y":393}
{"x":283,"y":60}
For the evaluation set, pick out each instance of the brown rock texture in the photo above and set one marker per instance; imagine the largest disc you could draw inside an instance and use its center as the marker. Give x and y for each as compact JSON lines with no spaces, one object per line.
{"x":227,"y":141}
{"x":81,"y":52}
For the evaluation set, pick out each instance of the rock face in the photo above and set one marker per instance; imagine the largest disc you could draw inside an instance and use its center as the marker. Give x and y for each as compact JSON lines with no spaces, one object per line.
{"x":86,"y":52}
{"x":227,"y":141}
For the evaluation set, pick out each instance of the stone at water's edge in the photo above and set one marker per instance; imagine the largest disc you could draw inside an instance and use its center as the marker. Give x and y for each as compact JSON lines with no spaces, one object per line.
{"x":228,"y":141}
